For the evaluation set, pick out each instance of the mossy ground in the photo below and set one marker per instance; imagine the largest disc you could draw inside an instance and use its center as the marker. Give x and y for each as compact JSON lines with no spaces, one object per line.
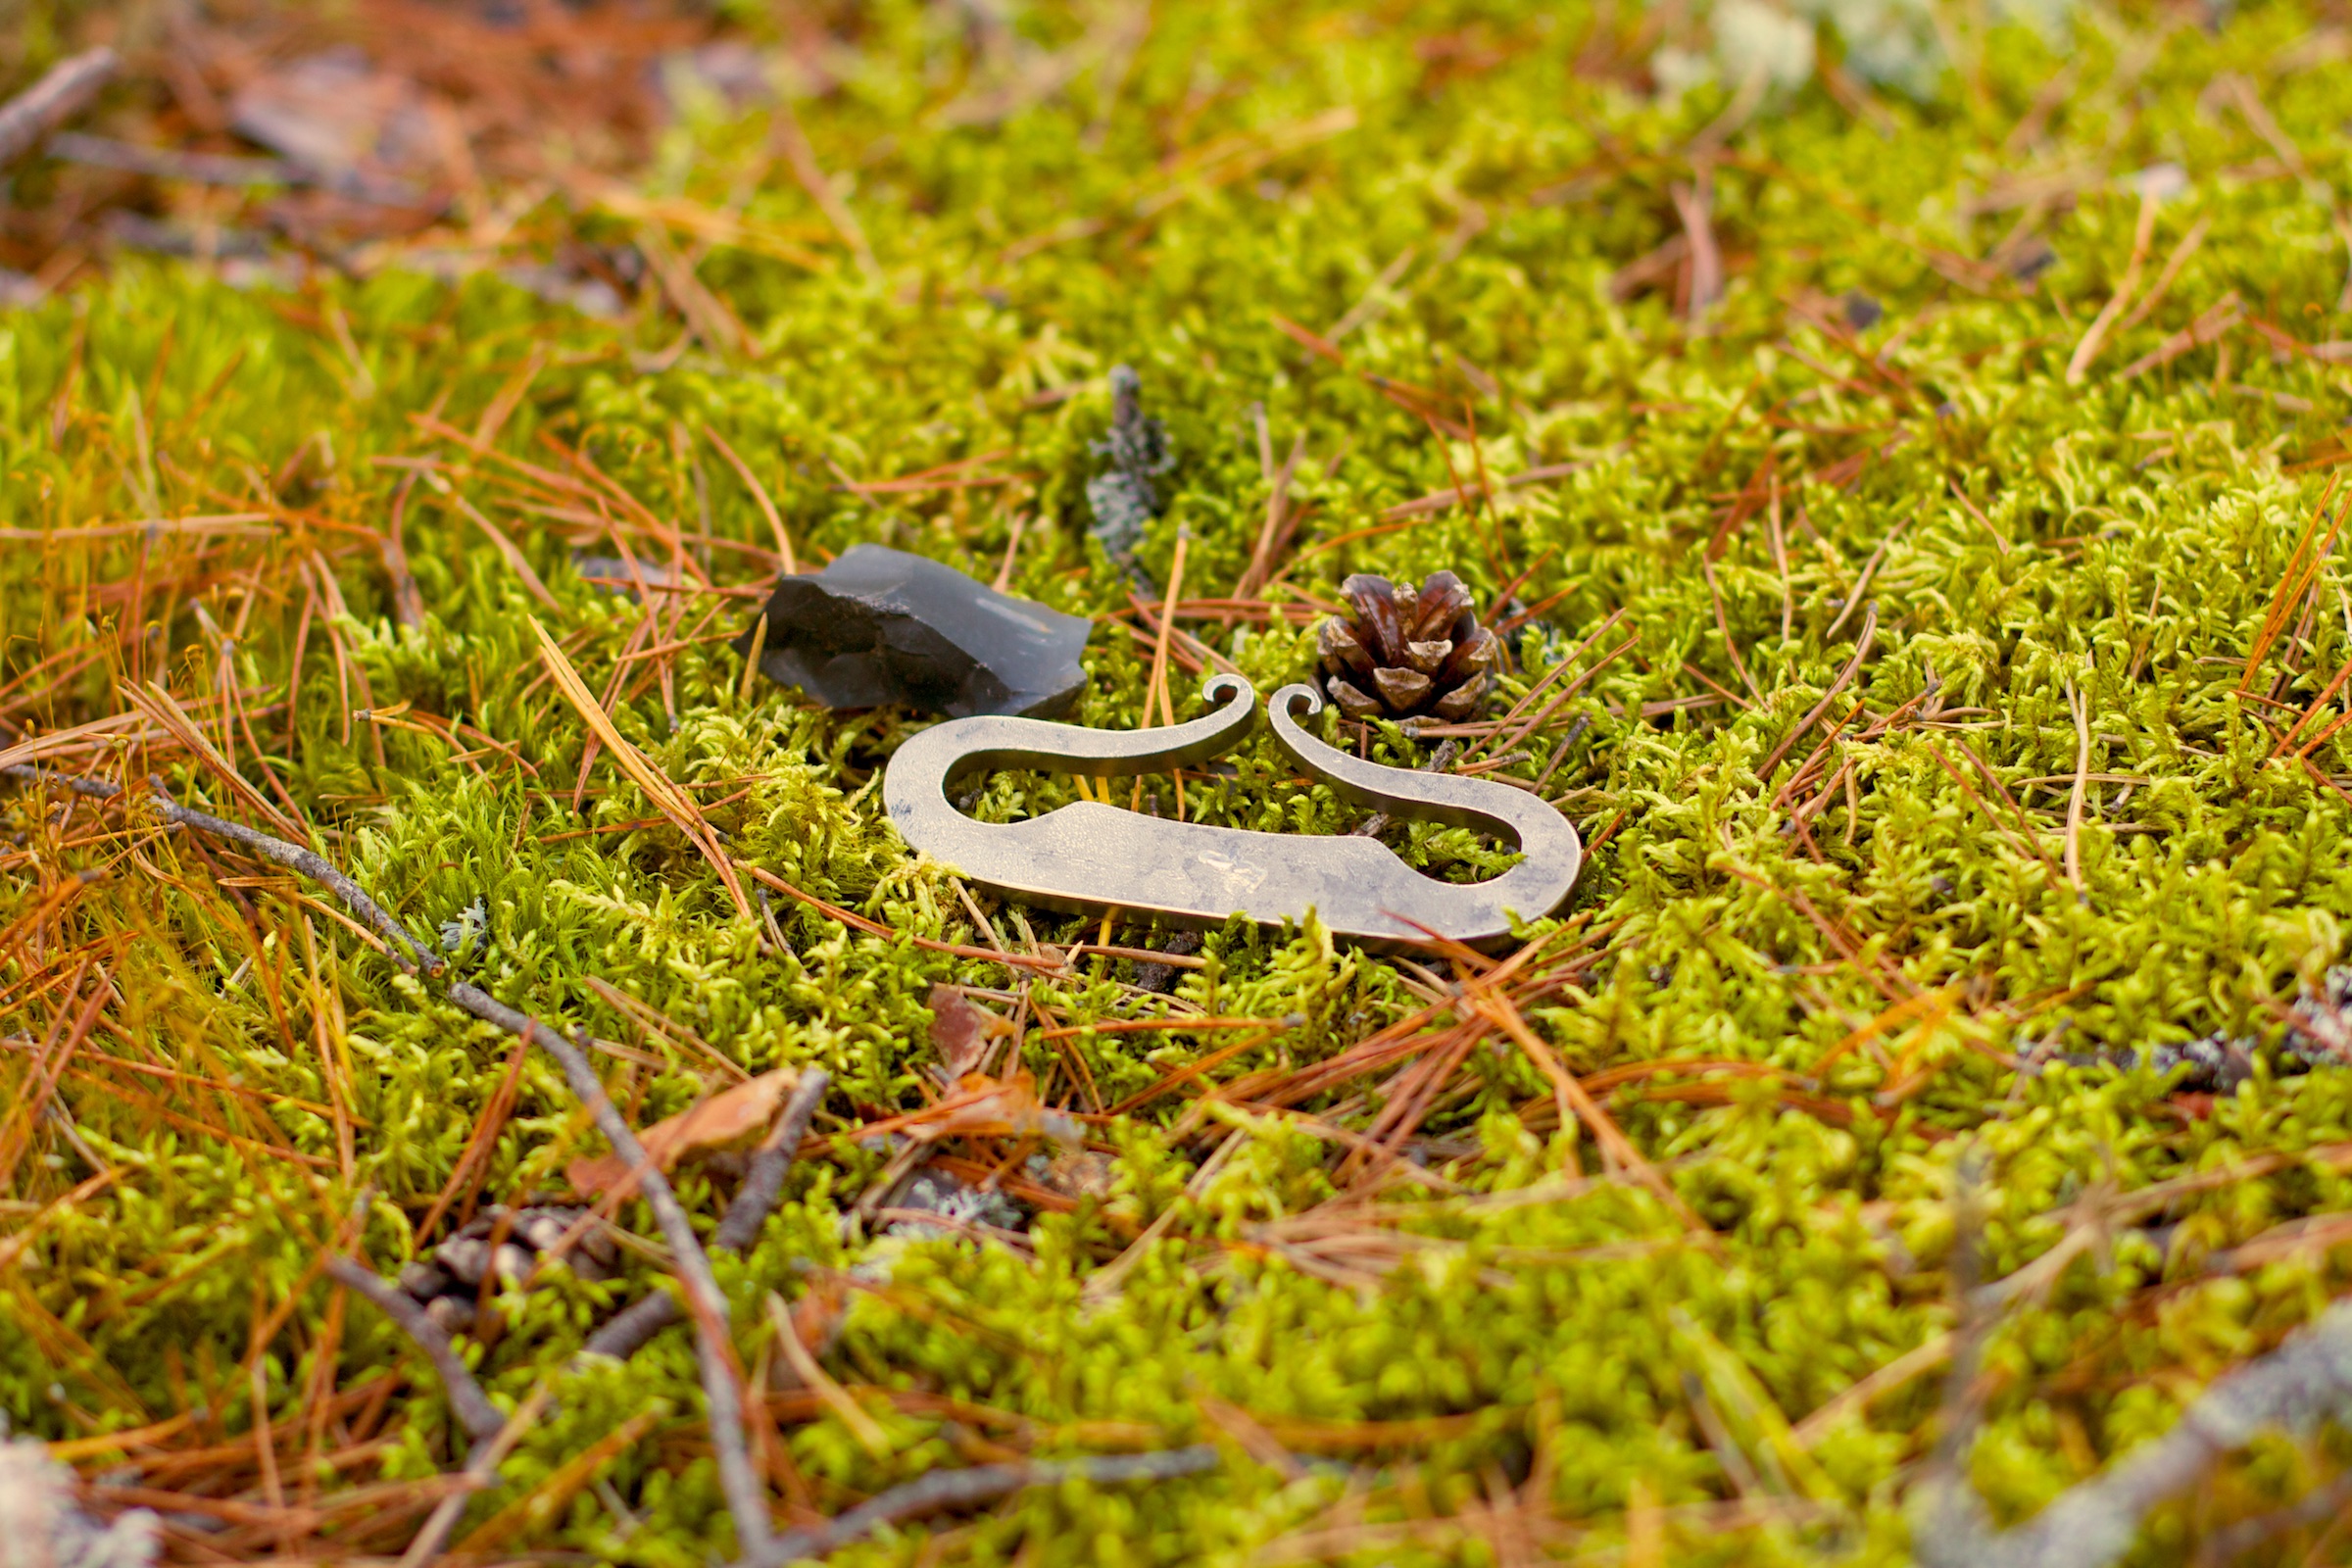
{"x":2056,"y":807}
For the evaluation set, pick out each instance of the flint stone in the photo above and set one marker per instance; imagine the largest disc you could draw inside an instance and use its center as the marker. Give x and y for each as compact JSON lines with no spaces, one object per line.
{"x":881,"y":626}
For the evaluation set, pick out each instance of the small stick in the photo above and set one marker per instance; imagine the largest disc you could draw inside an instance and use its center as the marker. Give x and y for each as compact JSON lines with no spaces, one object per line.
{"x":268,"y":846}
{"x":2093,"y":1523}
{"x":756,"y":1198}
{"x":2078,"y":703}
{"x":472,"y":1406}
{"x":746,"y":1499}
{"x":61,"y":94}
{"x":163,"y":163}
{"x":754,"y":1201}
{"x":480,"y":1466}
{"x":949,"y":1489}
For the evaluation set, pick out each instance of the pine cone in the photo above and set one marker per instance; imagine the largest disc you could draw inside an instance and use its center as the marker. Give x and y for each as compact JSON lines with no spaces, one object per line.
{"x":1407,"y":652}
{"x":447,"y":1282}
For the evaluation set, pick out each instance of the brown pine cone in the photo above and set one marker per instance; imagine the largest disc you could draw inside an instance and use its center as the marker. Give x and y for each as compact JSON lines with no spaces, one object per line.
{"x":1407,"y":651}
{"x":448,"y":1282}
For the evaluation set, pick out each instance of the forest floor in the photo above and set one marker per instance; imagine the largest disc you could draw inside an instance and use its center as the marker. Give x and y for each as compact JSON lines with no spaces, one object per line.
{"x":1902,"y":471}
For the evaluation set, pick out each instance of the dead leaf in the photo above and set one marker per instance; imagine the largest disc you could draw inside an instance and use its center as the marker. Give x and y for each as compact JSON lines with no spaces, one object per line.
{"x":991,"y":1107}
{"x":962,"y":1032}
{"x":713,"y":1122}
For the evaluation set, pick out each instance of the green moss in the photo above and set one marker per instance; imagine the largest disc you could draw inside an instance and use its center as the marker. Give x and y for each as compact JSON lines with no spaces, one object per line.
{"x":2123,"y":538}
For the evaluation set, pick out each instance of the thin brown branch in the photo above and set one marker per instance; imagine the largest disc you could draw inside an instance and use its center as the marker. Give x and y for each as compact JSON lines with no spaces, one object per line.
{"x":291,"y":855}
{"x":61,"y":94}
{"x":2304,"y":1381}
{"x":472,"y":1407}
{"x":746,"y":1499}
{"x":754,"y":1201}
{"x":953,"y":1488}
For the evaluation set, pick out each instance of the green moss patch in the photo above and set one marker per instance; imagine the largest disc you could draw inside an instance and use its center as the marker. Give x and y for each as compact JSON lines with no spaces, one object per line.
{"x":1948,"y":729}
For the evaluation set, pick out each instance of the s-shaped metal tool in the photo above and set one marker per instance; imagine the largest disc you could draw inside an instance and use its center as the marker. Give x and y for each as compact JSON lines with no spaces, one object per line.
{"x":1090,"y":857}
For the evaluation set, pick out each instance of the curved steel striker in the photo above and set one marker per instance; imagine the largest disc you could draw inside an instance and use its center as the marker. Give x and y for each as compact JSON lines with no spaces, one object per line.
{"x":1090,"y":857}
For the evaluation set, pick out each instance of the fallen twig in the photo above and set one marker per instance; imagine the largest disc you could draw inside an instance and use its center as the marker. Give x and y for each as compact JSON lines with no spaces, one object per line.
{"x":755,"y":1200}
{"x":61,"y":94}
{"x":745,"y":1499}
{"x":948,"y":1489}
{"x":169,"y":162}
{"x":480,"y":1465}
{"x":2304,"y":1381}
{"x":269,"y":846}
{"x":2319,"y":1506}
{"x":472,"y":1406}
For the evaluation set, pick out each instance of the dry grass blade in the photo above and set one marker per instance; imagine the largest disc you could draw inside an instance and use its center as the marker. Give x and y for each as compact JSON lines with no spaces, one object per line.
{"x":1911,"y":1364}
{"x":814,"y":1378}
{"x":2303,"y":566}
{"x":507,"y":548}
{"x":792,"y":141}
{"x":288,"y":854}
{"x":480,"y":1465}
{"x":2206,"y":328}
{"x":1615,"y":1146}
{"x":767,"y":507}
{"x":2094,"y":337}
{"x":2188,"y":247}
{"x":1846,"y":677}
{"x":163,"y":710}
{"x":1157,"y":690}
{"x":552,"y":1495}
{"x":720,"y":1388}
{"x":2079,"y":705}
{"x":670,"y":801}
{"x":1694,"y":205}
